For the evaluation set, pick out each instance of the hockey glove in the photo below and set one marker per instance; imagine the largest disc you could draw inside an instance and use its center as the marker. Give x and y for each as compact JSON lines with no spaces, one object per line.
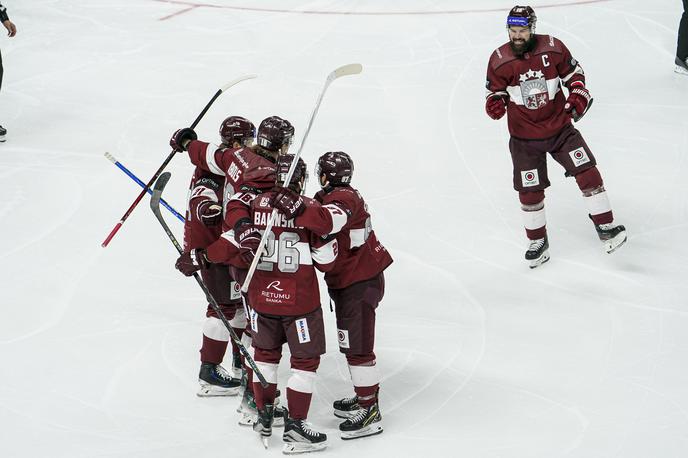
{"x":289,"y":203}
{"x":248,"y":238}
{"x":181,"y":138}
{"x":191,"y":262}
{"x":495,"y":106}
{"x":210,"y":213}
{"x":579,"y":101}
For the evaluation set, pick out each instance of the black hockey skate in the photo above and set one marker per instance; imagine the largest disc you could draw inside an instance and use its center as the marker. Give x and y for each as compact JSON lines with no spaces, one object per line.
{"x":300,"y":438}
{"x":681,"y":66}
{"x":263,"y":424}
{"x":538,"y":252}
{"x":346,"y":408}
{"x":3,"y":132}
{"x":612,"y":236}
{"x":366,"y":422}
{"x":215,"y":381}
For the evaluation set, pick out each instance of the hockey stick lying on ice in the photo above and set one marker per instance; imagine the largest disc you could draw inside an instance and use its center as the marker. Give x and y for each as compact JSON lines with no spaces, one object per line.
{"x":350,"y":69}
{"x":169,"y":158}
{"x":131,"y":175}
{"x":155,"y":206}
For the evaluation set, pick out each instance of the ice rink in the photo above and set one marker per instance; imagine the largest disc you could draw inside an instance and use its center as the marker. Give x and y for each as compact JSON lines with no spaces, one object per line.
{"x":481,"y":357}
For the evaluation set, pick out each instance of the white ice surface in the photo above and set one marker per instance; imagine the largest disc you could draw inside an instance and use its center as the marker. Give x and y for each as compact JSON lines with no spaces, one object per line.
{"x":584,"y":357}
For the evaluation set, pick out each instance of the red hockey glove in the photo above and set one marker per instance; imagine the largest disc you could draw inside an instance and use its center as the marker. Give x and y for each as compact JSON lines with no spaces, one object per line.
{"x":181,"y":138}
{"x":248,"y":238}
{"x":288,"y":202}
{"x":579,"y":101}
{"x":191,"y":262}
{"x":495,"y":106}
{"x":210,"y":213}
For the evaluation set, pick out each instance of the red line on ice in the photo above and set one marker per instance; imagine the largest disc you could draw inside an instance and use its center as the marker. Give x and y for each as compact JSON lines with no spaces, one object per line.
{"x":193,"y":5}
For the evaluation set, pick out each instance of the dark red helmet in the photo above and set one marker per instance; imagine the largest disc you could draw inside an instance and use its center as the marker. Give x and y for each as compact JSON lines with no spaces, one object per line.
{"x":337,"y":166}
{"x":522,"y":16}
{"x":237,"y":129}
{"x":274,"y":132}
{"x":300,"y":176}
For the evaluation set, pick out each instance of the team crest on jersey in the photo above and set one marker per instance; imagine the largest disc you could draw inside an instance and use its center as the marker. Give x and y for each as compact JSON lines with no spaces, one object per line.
{"x":530,"y":178}
{"x":534,"y":89}
{"x":579,"y":157}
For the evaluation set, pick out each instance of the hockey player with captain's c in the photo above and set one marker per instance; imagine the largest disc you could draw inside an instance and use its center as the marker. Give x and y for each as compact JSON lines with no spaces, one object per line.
{"x":285,"y":308}
{"x":202,"y":227}
{"x":524,"y":81}
{"x":355,"y":282}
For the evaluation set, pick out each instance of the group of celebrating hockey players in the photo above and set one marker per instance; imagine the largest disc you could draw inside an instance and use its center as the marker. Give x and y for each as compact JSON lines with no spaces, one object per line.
{"x":234,"y":189}
{"x":236,"y":186}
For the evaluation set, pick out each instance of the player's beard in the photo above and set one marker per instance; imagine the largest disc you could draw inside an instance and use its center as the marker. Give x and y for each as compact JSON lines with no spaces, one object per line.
{"x":521,"y":47}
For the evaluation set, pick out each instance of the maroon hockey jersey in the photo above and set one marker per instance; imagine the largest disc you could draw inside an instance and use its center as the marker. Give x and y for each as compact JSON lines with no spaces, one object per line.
{"x":533,"y":84}
{"x":343,"y":215}
{"x":241,"y":167}
{"x":204,"y":187}
{"x":285,"y":283}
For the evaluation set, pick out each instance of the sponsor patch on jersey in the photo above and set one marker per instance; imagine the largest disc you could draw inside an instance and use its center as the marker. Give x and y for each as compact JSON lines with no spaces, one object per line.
{"x":302,"y":330}
{"x":343,"y":337}
{"x":234,"y":291}
{"x":278,"y":292}
{"x":530,"y":178}
{"x":253,"y":318}
{"x":579,"y":157}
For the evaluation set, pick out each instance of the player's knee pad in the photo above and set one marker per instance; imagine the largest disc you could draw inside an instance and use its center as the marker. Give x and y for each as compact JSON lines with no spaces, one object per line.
{"x":239,"y":319}
{"x":590,"y":182}
{"x":267,"y":362}
{"x":215,"y":329}
{"x":301,"y":381}
{"x":364,"y":374}
{"x":532,"y":200}
{"x":305,"y":364}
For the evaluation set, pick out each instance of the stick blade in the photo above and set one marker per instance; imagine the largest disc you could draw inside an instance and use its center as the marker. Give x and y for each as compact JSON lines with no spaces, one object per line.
{"x":237,"y":81}
{"x":158,"y":187}
{"x":345,"y":70}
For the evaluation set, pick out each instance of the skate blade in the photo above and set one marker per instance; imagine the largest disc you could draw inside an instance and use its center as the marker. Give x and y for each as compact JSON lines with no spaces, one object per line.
{"x":371,"y":430}
{"x":294,"y":448}
{"x":265,"y":442}
{"x":209,"y":391}
{"x":615,"y":243}
{"x":539,"y":261}
{"x":345,"y":414}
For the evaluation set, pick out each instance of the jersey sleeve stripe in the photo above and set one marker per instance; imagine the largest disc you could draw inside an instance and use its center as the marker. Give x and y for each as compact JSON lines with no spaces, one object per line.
{"x":325,"y":254}
{"x":339,"y":217}
{"x":210,"y":160}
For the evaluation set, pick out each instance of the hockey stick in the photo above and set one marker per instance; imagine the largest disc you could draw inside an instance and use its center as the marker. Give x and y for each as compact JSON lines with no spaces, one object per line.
{"x":131,"y":175}
{"x":169,"y":158}
{"x":350,"y":69}
{"x":155,"y":206}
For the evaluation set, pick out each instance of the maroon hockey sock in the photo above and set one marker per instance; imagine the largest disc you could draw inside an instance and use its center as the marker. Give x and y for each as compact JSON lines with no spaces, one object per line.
{"x":534,"y":234}
{"x":264,"y":396}
{"x":212,"y":351}
{"x":602,"y":218}
{"x":367,"y":395}
{"x":298,"y":403}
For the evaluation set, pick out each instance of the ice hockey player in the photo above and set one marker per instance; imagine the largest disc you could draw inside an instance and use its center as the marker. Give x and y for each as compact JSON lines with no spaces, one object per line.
{"x":682,"y":44}
{"x":524,"y":80}
{"x":285,"y":308}
{"x":355,"y":283}
{"x":202,"y":227}
{"x":248,"y":169}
